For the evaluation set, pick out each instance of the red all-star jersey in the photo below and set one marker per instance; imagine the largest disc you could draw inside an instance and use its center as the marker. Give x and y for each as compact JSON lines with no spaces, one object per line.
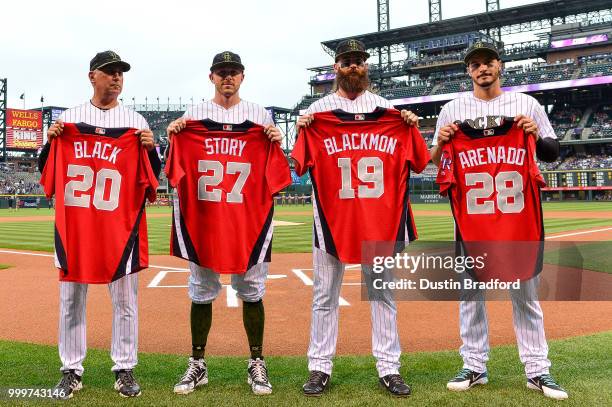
{"x":100,"y":178}
{"x":360,"y":166}
{"x":226,"y":176}
{"x":493,"y":182}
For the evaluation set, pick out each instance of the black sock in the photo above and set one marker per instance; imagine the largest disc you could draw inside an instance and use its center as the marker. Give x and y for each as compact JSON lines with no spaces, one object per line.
{"x":253,"y":317}
{"x":201,"y":318}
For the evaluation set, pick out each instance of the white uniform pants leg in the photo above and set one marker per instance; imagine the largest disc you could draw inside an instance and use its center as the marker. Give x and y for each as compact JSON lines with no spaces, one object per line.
{"x":124,"y":346}
{"x":327,"y":281}
{"x":385,"y":338}
{"x":72,"y":342}
{"x":474,"y":330}
{"x":529,"y":328}
{"x":251,"y":286}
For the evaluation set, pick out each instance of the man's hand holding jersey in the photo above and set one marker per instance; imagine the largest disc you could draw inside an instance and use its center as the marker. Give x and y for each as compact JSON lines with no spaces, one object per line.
{"x":528,"y":125}
{"x":55,"y":130}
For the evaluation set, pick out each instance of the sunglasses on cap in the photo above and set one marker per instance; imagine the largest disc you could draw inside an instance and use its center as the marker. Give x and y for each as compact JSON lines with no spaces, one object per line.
{"x":345,"y":63}
{"x":227,"y":72}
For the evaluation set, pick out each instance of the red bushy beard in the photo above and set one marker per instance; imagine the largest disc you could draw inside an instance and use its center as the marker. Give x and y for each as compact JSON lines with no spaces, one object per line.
{"x":355,"y":81}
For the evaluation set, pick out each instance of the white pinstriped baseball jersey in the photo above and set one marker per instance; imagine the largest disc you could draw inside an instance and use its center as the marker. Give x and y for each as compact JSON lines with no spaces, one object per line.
{"x":238,"y":113}
{"x":118,"y":116}
{"x":482,"y":114}
{"x":364,"y":103}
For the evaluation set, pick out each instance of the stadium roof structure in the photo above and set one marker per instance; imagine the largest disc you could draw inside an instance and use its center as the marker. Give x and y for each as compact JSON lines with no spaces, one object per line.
{"x":510,"y":20}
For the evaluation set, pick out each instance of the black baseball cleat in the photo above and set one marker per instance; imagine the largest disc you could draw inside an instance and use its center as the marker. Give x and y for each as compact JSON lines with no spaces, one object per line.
{"x":196,"y":375}
{"x":395,"y":385}
{"x":316,"y":384}
{"x":466,"y":379}
{"x":69,"y":383}
{"x":126,"y":384}
{"x":547,"y":385}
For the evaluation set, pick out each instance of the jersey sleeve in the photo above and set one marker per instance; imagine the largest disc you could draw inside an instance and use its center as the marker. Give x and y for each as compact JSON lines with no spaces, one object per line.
{"x":417,"y":154}
{"x":147,"y":176}
{"x":301,"y":155}
{"x":541,"y":119}
{"x":278,"y":175}
{"x":443,"y":120}
{"x":173,"y":168}
{"x":47,"y":179}
{"x":534,"y":170}
{"x":446,"y":173}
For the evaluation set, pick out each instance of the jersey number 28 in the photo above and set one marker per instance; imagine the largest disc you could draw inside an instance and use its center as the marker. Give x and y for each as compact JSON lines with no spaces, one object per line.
{"x":508,"y":184}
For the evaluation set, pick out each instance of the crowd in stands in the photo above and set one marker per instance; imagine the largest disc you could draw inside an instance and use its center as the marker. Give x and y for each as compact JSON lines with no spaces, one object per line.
{"x":564,"y":118}
{"x":585,"y":162}
{"x":601,"y":122}
{"x":457,"y":81}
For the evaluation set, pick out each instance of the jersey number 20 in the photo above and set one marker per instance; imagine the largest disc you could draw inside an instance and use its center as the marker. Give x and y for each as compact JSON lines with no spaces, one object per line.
{"x":508,"y":184}
{"x":102,"y":178}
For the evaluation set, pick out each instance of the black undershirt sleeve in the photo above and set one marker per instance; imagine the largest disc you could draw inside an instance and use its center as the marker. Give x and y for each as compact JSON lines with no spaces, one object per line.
{"x":42,"y":158}
{"x":547,"y":149}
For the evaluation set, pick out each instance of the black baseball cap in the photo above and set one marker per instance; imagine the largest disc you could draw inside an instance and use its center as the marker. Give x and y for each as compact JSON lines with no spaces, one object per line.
{"x":351,"y":46}
{"x":226,"y":59}
{"x":106,"y":58}
{"x":481,"y":46}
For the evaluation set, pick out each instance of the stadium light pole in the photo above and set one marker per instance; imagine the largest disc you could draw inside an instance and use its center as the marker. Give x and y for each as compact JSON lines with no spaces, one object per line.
{"x":146,"y":104}
{"x":133,"y":103}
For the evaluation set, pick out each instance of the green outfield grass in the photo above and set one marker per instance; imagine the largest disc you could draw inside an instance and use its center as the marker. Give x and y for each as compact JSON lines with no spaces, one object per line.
{"x":580,"y":364}
{"x":38,"y":235}
{"x":4,"y":266}
{"x":585,"y":255}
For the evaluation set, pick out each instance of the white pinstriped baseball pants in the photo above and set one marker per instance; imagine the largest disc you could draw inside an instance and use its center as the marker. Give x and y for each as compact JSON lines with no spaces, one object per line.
{"x":528,"y":321}
{"x":328,"y":274}
{"x":72,"y":342}
{"x":205,"y":284}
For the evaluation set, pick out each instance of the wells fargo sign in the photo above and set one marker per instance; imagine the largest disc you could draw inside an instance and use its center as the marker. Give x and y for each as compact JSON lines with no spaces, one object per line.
{"x":23,"y":129}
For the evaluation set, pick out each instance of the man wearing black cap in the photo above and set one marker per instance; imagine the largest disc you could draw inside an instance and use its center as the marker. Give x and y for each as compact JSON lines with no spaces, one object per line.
{"x":351,"y":95}
{"x":102,"y":110}
{"x":226,"y":74}
{"x":484,"y":108}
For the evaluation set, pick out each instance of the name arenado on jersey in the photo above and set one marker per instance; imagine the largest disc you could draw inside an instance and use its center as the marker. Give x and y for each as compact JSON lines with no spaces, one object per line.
{"x":361,"y":141}
{"x":100,"y":150}
{"x":492,"y":155}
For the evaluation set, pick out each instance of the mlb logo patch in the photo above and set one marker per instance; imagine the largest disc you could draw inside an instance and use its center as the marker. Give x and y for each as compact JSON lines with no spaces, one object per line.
{"x":360,"y":117}
{"x":488,"y":132}
{"x":100,"y":130}
{"x":227,"y":127}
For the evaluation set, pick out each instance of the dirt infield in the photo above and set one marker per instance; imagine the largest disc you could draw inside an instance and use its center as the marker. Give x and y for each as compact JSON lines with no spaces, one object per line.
{"x":29,"y":304}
